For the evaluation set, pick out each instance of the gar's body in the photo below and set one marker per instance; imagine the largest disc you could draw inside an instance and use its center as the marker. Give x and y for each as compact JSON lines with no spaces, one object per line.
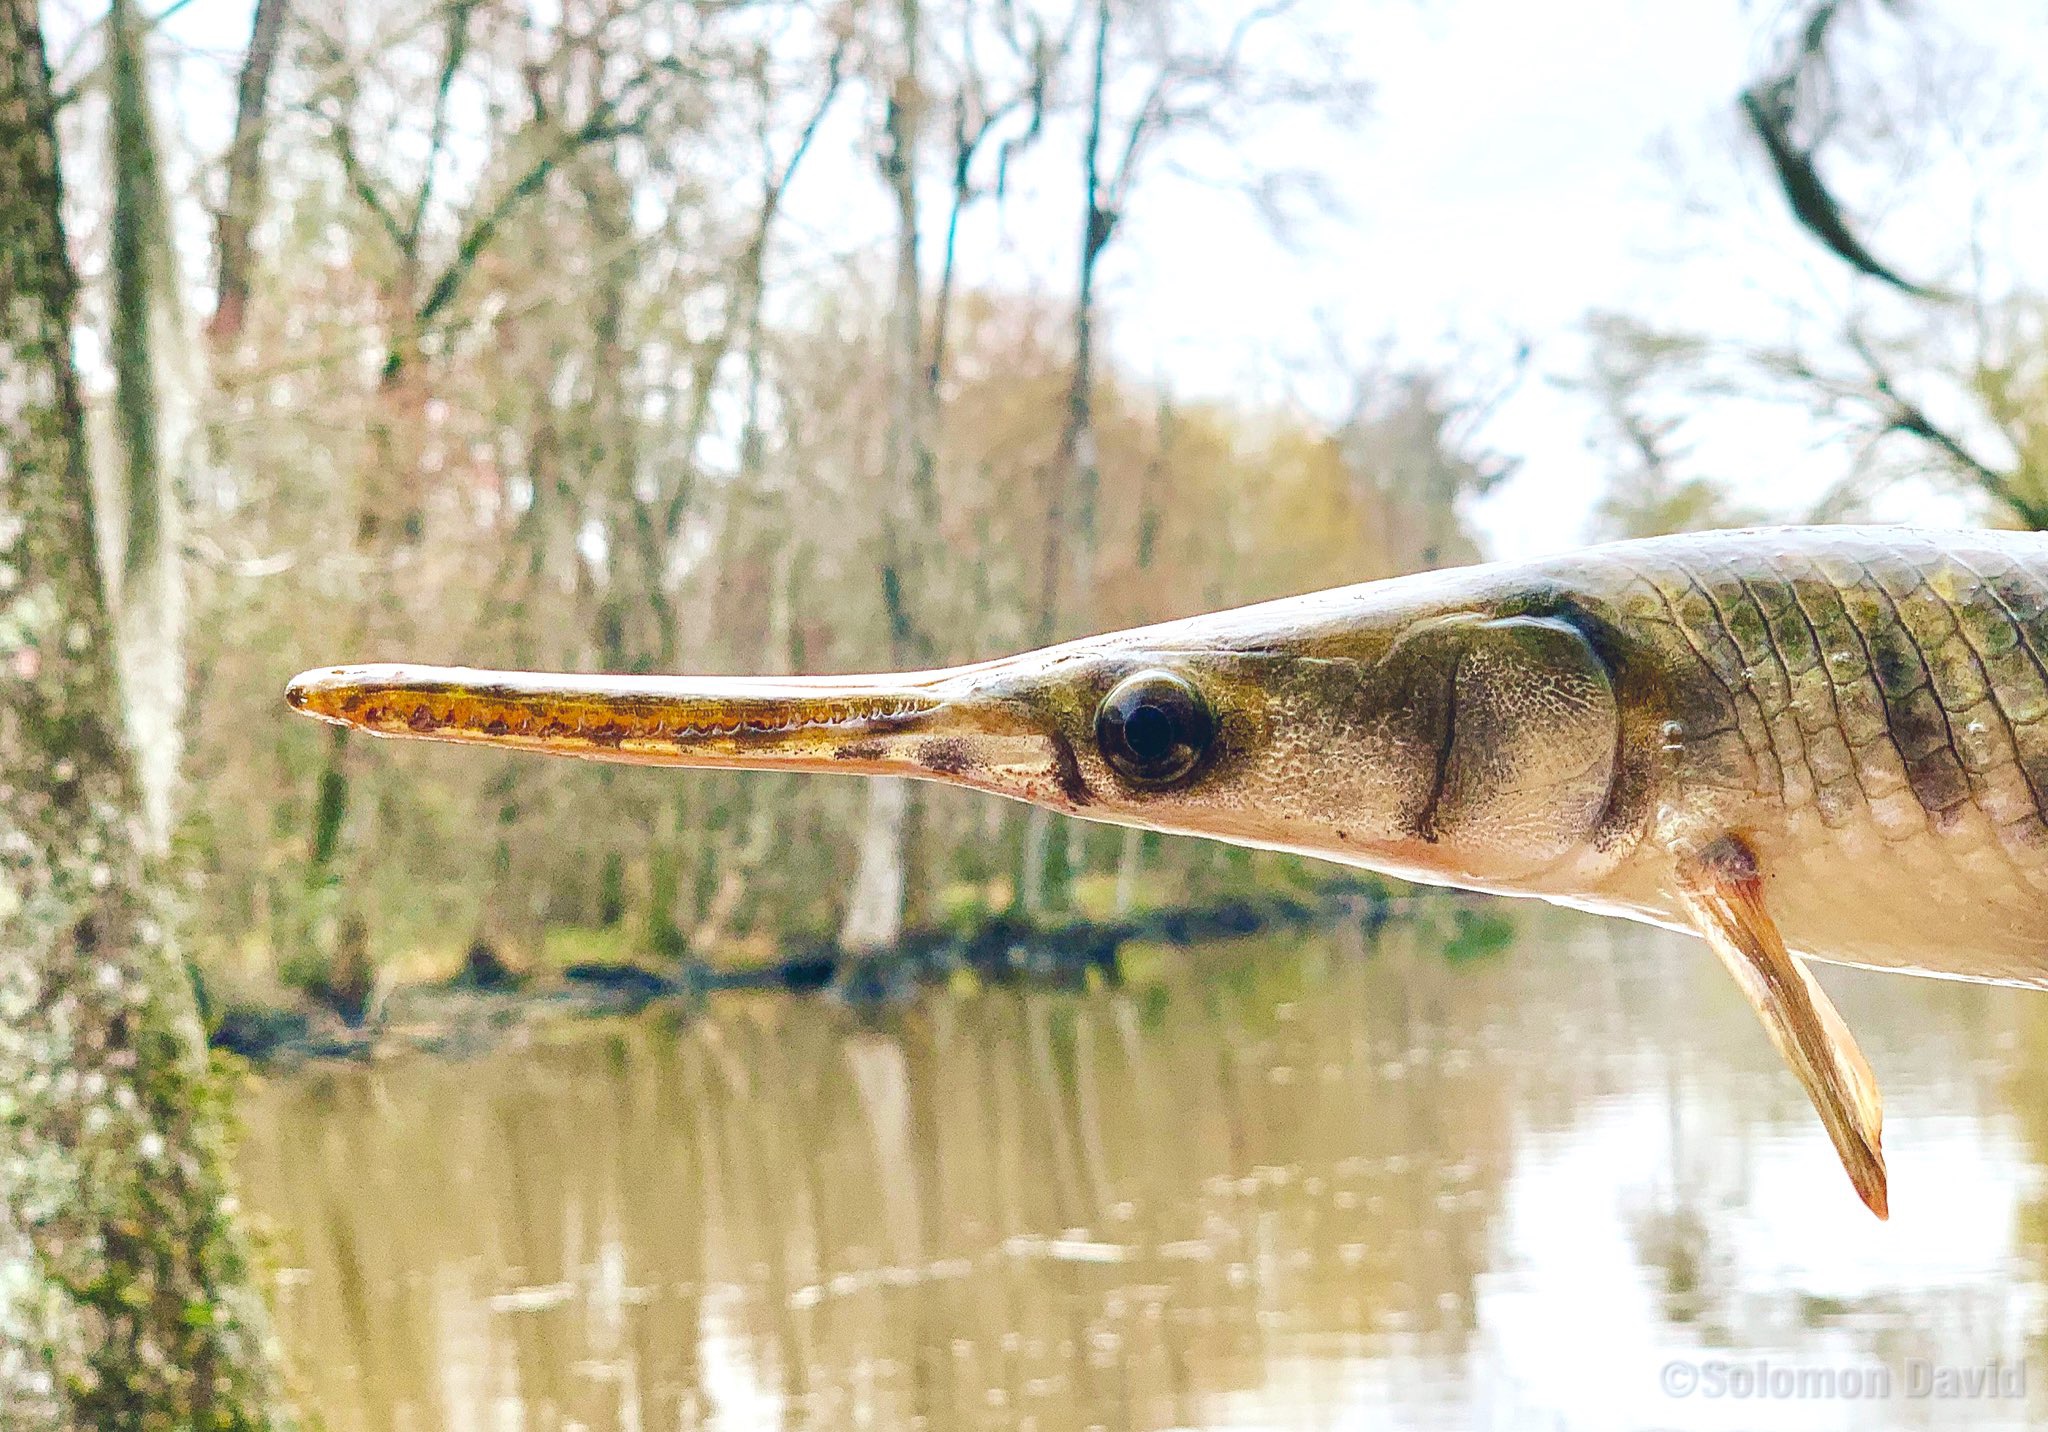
{"x":1833,"y":739}
{"x":1865,"y":706}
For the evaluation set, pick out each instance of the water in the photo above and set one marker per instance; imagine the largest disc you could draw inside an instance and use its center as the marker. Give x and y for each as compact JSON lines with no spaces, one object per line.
{"x":1277,"y":1183}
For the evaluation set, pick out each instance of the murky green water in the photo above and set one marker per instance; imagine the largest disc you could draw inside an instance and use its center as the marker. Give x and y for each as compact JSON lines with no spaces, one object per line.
{"x":1277,"y":1184}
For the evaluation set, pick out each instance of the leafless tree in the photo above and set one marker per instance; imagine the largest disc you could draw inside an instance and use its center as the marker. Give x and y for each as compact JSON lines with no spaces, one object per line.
{"x":129,"y":1302}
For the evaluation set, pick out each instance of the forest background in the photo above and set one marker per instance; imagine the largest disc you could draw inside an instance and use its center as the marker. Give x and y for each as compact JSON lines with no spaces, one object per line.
{"x":825,"y":336}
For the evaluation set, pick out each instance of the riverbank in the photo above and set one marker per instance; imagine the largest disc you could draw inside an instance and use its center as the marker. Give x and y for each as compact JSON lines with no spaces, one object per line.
{"x":486,"y":1004}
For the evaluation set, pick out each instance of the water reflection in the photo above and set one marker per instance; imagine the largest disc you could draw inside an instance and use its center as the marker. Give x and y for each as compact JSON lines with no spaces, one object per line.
{"x":1290,"y":1183}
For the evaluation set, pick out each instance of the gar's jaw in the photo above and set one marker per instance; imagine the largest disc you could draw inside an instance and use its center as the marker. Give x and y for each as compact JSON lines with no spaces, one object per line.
{"x":964,"y":726}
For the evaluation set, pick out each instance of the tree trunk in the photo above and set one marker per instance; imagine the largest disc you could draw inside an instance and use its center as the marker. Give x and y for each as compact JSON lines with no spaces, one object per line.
{"x":874,"y":910}
{"x":156,"y":433}
{"x":126,"y":1299}
{"x":1035,"y":892}
{"x":1076,"y":478}
{"x":244,"y":198}
{"x":1130,"y":867}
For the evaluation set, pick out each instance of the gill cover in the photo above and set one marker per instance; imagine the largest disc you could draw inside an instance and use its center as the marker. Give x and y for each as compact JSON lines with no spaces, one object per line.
{"x":1525,"y":726}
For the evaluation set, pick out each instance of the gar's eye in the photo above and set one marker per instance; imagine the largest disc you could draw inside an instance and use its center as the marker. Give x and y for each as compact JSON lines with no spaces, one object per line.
{"x":1153,"y":728}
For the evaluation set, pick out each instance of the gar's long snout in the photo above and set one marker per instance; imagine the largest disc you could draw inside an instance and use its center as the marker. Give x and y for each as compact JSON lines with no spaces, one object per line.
{"x":849,"y":723}
{"x":956,"y":725}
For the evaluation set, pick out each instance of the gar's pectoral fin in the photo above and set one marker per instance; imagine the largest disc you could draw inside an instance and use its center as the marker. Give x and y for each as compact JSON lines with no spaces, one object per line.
{"x":1722,"y":888}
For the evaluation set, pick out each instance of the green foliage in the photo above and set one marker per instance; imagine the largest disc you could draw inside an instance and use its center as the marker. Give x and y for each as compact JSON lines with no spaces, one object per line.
{"x":566,"y":945}
{"x":1478,"y":933}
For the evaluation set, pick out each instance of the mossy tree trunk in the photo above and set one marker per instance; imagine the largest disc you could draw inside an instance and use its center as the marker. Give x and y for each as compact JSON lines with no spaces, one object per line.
{"x":124,"y":1299}
{"x":154,"y":436}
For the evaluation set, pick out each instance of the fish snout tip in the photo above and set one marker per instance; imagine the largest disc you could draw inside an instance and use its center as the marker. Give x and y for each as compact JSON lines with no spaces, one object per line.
{"x":312,"y":693}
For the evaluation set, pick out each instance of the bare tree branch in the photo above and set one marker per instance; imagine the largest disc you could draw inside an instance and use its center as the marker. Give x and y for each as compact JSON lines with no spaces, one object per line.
{"x":744,"y":297}
{"x":244,"y":197}
{"x":1771,"y":106}
{"x":437,"y":134}
{"x":601,"y":127}
{"x":1903,"y":415}
{"x":974,"y":120}
{"x":341,"y":131}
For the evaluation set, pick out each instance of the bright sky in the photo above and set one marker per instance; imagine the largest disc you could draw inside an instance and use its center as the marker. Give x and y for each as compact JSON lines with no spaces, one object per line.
{"x":1522,"y":167}
{"x":1501,"y":191}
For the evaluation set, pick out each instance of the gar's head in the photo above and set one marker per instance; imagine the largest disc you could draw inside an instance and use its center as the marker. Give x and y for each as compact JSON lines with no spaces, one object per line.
{"x":1405,"y":726}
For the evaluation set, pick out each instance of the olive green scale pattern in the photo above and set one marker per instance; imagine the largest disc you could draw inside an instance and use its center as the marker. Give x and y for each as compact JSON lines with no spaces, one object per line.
{"x":1899,"y":681}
